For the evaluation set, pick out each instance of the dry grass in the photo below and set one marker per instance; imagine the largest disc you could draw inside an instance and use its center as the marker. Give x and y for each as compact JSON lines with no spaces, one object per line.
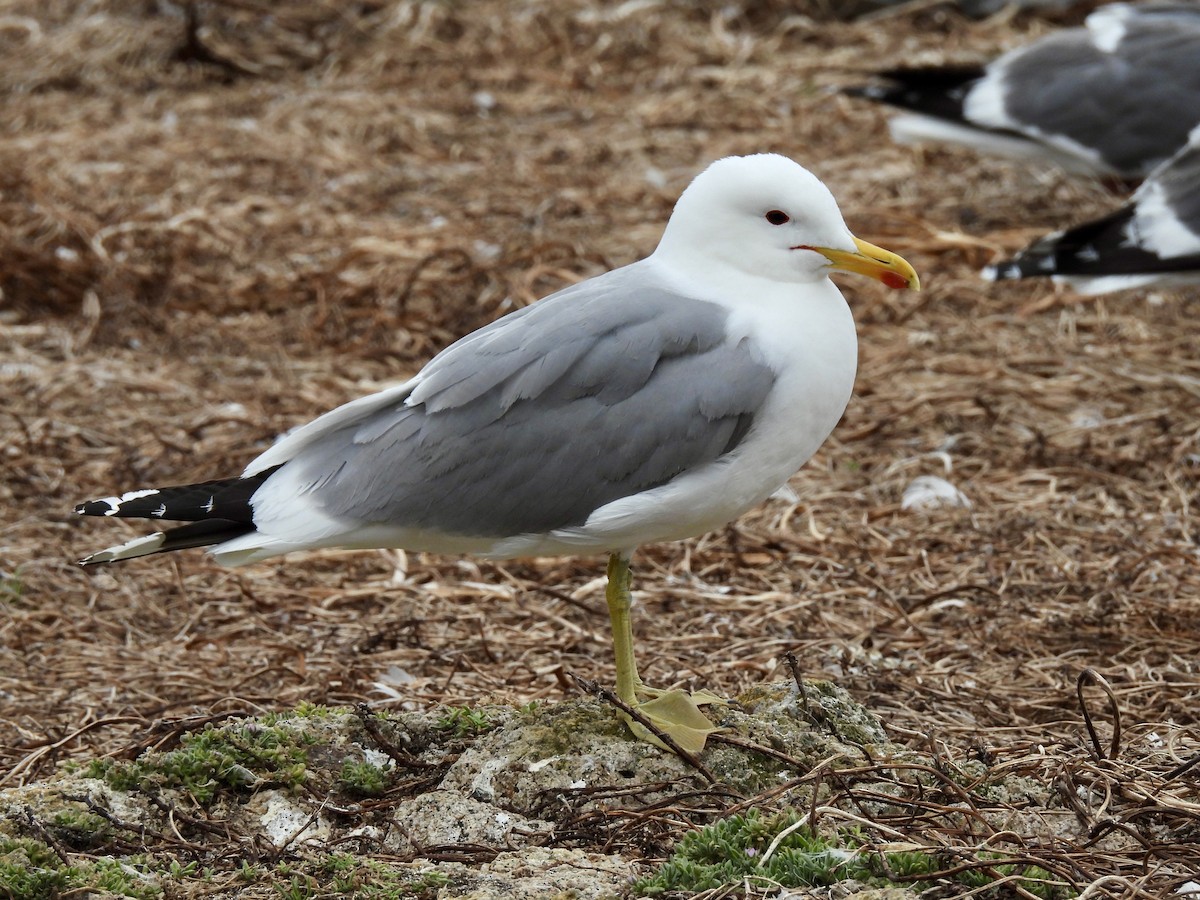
{"x":206,"y":240}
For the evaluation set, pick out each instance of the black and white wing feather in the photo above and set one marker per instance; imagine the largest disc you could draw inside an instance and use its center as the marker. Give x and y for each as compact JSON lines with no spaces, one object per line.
{"x":1153,"y":239}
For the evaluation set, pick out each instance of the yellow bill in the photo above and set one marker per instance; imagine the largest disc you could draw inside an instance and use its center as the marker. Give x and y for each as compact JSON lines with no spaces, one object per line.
{"x":874,"y":262}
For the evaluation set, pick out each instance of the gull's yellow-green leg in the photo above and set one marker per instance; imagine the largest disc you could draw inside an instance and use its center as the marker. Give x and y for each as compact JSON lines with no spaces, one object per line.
{"x":674,"y":712}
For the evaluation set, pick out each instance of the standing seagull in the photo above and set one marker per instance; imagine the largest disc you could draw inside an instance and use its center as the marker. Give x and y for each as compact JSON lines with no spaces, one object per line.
{"x":652,"y":403}
{"x":1152,"y":239}
{"x":1115,"y":98}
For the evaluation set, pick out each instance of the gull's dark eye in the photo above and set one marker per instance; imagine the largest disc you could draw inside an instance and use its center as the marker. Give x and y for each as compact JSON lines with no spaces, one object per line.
{"x":778,"y":217}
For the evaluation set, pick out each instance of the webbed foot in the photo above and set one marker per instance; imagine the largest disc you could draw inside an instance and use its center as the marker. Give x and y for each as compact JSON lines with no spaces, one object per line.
{"x":677,"y":714}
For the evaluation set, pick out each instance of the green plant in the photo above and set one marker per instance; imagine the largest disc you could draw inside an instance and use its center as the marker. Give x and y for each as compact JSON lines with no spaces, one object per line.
{"x":303,"y":710}
{"x":12,"y":587}
{"x":464,"y":721}
{"x":362,"y":779}
{"x":234,"y":758}
{"x":911,"y":864}
{"x":32,"y":871}
{"x":29,"y":869}
{"x":776,"y":850}
{"x":745,"y":847}
{"x":121,"y":878}
{"x":179,"y":870}
{"x":300,"y":887}
{"x":79,"y":828}
{"x":346,"y":875}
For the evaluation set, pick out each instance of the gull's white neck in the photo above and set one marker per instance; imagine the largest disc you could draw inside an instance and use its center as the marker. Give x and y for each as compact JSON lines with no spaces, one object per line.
{"x":805,"y":333}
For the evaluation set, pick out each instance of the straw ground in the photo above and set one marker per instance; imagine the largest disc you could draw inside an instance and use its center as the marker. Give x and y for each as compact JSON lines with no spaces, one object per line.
{"x":216,"y":224}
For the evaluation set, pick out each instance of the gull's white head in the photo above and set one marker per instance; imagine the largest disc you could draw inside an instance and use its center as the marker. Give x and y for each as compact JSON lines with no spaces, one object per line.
{"x":768,"y":216}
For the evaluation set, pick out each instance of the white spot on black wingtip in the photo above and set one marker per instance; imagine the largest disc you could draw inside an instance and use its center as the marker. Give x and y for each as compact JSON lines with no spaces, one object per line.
{"x":138,"y":495}
{"x":161,"y":511}
{"x":114,"y":503}
{"x":1007,"y":271}
{"x":208,"y":507}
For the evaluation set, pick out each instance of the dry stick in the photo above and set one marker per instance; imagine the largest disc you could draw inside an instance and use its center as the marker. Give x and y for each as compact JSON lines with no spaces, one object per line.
{"x":483,"y":641}
{"x":1100,"y":829}
{"x":815,"y":774}
{"x":790,"y":658}
{"x":140,"y":830}
{"x":468,"y":854}
{"x":1090,"y":674}
{"x":44,"y":834}
{"x":1182,"y":767}
{"x":564,"y":597}
{"x":781,"y":837}
{"x":454,"y":670}
{"x":400,"y":757}
{"x":829,"y":724}
{"x":990,"y":868}
{"x":811,"y":816}
{"x":173,"y":812}
{"x":283,"y":848}
{"x":1067,"y":792}
{"x":194,"y":49}
{"x":400,"y":304}
{"x":35,"y":756}
{"x":1117,"y":881}
{"x":732,"y":741}
{"x":591,"y":687}
{"x":891,"y":597}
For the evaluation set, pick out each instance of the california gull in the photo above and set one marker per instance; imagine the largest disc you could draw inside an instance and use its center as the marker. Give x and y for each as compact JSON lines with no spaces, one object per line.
{"x":1114,"y":98}
{"x":654,"y":402}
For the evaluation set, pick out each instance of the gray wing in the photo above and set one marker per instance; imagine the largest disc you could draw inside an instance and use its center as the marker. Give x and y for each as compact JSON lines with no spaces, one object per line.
{"x":1134,"y":105}
{"x":1180,"y":182}
{"x":604,"y":390}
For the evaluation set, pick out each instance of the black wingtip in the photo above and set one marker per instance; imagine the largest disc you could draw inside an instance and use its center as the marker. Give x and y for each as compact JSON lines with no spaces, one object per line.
{"x":867,"y":91}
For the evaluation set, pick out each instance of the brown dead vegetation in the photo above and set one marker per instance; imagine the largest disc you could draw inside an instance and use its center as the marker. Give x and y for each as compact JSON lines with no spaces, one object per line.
{"x":212,"y":230}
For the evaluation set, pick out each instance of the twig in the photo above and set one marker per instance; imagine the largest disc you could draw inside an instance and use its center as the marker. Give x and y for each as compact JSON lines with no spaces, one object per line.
{"x":43,"y":833}
{"x":370,"y":724}
{"x":732,"y":741}
{"x":141,"y":830}
{"x":35,"y":756}
{"x":1090,"y":674}
{"x":1182,"y":767}
{"x":781,"y":837}
{"x":172,"y":812}
{"x":790,"y":658}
